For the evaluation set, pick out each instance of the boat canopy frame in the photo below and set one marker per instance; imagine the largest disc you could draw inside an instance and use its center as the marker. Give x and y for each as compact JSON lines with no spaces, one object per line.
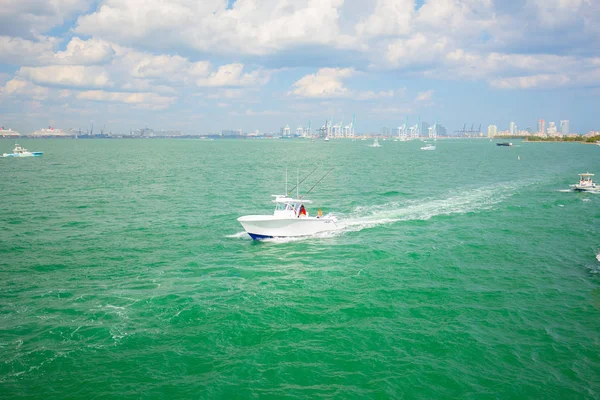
{"x":282,"y":199}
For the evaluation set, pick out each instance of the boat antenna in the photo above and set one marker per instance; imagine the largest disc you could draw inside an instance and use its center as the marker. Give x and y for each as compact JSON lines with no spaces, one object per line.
{"x":297,"y":183}
{"x":302,"y":180}
{"x":319,"y":181}
{"x":286,"y":179}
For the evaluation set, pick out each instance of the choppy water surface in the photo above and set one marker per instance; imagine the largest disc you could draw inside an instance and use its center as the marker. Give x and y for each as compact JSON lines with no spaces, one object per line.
{"x":459,"y":272}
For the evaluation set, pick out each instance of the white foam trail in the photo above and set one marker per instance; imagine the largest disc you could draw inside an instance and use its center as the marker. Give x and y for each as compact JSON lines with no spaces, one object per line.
{"x":468,"y":201}
{"x":321,"y":235}
{"x":239,"y":235}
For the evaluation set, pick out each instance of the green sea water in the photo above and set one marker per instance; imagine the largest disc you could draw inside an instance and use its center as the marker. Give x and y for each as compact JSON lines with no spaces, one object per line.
{"x":464,"y":272}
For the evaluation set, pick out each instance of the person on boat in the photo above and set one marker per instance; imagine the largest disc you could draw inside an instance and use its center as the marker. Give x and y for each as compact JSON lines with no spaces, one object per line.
{"x":302,"y":212}
{"x":319,"y":213}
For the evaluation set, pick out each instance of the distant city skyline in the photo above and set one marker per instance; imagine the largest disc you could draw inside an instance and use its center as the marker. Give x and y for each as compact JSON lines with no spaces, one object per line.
{"x":244,"y":64}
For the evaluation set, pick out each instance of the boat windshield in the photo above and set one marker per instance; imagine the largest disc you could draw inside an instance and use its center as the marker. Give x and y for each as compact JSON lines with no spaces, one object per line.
{"x":284,"y":207}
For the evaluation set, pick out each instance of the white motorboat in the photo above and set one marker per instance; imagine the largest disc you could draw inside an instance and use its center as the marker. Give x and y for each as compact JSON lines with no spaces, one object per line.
{"x":375,"y":143}
{"x":290,"y":219}
{"x":586,"y":184}
{"x":428,"y":147}
{"x":22,"y":152}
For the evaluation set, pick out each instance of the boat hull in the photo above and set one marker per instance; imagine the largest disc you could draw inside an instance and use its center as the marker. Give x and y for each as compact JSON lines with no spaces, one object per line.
{"x":27,"y":154}
{"x":268,"y":226}
{"x":579,"y":188}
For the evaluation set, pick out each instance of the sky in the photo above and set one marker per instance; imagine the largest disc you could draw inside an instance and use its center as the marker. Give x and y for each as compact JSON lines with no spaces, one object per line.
{"x":203,"y":66}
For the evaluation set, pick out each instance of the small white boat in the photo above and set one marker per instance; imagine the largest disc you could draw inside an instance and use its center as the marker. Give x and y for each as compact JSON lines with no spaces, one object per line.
{"x":326,"y":138}
{"x":586,"y":184}
{"x":375,"y":143}
{"x":428,"y":147}
{"x":290,"y":219}
{"x":22,"y":152}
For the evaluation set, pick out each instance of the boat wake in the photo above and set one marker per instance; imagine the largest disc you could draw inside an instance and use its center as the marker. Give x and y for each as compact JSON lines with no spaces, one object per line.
{"x":239,"y":235}
{"x":468,"y":201}
{"x":573,"y":191}
{"x":366,"y":217}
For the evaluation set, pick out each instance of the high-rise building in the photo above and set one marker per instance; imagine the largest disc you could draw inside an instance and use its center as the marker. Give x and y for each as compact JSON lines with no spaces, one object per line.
{"x":552,"y":129}
{"x":564,"y":127}
{"x":425,"y":127}
{"x":541,"y":128}
{"x":513,"y":128}
{"x":440,"y":130}
{"x":492,"y":131}
{"x":432,"y":133}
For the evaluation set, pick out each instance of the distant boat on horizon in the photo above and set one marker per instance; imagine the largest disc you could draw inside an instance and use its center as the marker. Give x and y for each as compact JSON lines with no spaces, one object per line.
{"x":375,"y":143}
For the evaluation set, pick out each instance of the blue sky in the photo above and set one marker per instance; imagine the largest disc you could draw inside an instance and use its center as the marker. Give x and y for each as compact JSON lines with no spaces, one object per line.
{"x":261,"y":64}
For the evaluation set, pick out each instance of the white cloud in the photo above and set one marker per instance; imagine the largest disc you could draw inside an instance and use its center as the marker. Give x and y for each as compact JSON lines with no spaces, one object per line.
{"x":522,"y":71}
{"x":547,"y":81}
{"x":146,"y":100}
{"x":85,"y":52}
{"x":232,"y":75}
{"x":425,"y":96}
{"x":456,"y":18}
{"x":391,"y":17}
{"x":127,"y":70}
{"x":166,"y":66}
{"x":67,"y":75}
{"x":18,"y":51}
{"x":557,"y":12}
{"x":475,"y":65}
{"x":395,"y":111}
{"x":372,"y":95}
{"x":416,"y":50}
{"x":327,"y":82}
{"x":41,"y":51}
{"x":18,"y":87}
{"x":252,"y":113}
{"x":250,"y":26}
{"x":226,"y":94}
{"x":28,"y":18}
